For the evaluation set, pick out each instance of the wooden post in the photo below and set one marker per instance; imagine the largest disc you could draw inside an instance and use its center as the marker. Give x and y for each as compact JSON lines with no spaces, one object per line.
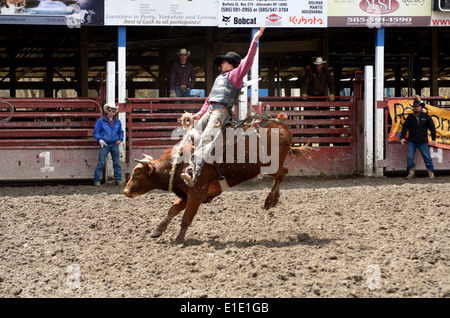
{"x":368,"y":121}
{"x":122,"y":89}
{"x":271,"y":76}
{"x":163,"y":73}
{"x":83,"y":75}
{"x":48,"y":92}
{"x":254,"y":88}
{"x":12,"y":71}
{"x":209,"y":53}
{"x":379,"y":96}
{"x":434,"y":88}
{"x":398,"y":80}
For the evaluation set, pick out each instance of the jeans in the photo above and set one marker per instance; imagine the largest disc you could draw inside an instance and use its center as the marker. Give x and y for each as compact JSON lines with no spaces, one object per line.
{"x":114,"y":150}
{"x":207,"y":124}
{"x":424,"y":150}
{"x":182,"y":92}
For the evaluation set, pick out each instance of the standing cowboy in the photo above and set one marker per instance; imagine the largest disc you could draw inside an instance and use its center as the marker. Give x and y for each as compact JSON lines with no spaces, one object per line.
{"x":218,"y":106}
{"x":182,"y":76}
{"x":109,"y":134}
{"x":418,"y":123}
{"x":318,"y":81}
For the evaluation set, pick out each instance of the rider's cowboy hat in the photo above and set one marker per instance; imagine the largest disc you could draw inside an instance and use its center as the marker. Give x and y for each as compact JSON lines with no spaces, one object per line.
{"x":231,"y":57}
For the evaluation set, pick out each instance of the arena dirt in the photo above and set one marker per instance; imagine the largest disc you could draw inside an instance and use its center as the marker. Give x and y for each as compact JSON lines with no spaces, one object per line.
{"x":361,"y":237}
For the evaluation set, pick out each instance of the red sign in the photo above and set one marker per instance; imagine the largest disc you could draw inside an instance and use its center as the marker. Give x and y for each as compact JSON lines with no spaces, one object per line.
{"x":273,"y":17}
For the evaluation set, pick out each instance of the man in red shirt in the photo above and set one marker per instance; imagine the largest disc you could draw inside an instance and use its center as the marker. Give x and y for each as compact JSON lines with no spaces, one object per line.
{"x":318,"y":81}
{"x":182,"y":76}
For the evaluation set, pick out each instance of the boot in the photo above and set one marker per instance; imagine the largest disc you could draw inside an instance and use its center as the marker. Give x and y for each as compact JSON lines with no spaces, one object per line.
{"x":188,"y":177}
{"x":410,"y":174}
{"x":430,"y":173}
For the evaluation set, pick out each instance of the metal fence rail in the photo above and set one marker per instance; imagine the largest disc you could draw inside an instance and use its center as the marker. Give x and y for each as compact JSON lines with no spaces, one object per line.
{"x":328,"y":126}
{"x":152,"y":121}
{"x":48,"y":138}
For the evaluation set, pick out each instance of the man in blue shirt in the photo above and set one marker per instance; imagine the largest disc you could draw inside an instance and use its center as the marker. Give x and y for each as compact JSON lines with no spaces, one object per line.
{"x":109,"y":133}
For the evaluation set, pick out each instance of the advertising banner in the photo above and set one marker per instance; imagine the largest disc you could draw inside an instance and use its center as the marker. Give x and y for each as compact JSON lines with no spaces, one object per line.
{"x":379,"y":13}
{"x":74,"y":14}
{"x":224,"y":13}
{"x":400,"y":109}
{"x":440,"y":19}
{"x":161,"y":13}
{"x":273,"y":13}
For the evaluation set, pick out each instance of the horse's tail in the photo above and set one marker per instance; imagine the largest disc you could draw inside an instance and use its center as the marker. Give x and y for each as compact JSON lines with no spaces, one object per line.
{"x":297,"y":151}
{"x":301,"y":151}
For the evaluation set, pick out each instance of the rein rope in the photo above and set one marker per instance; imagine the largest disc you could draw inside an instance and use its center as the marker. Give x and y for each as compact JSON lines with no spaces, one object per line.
{"x":187,"y":124}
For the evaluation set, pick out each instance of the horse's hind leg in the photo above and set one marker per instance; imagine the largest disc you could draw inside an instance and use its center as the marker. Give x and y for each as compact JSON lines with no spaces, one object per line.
{"x":274,"y":194}
{"x":176,"y":208}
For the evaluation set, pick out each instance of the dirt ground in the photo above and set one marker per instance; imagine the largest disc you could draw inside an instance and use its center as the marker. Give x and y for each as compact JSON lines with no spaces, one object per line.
{"x":353,"y":237}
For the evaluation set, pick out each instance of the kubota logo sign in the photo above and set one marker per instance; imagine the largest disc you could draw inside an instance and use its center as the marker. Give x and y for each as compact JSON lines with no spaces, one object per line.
{"x":379,"y":6}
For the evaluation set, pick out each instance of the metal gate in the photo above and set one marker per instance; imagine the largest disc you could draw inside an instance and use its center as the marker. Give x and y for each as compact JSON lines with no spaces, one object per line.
{"x":152,"y":124}
{"x":51,"y":138}
{"x":48,"y":138}
{"x":329,"y":127}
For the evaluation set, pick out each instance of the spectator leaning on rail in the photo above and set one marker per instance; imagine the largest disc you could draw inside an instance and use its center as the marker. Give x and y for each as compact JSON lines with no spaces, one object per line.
{"x":418,"y":123}
{"x":109,"y":133}
{"x":218,"y":106}
{"x":318,"y":81}
{"x":182,"y":76}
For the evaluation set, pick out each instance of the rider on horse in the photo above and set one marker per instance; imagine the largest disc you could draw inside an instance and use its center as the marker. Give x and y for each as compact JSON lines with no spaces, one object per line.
{"x":218,"y":106}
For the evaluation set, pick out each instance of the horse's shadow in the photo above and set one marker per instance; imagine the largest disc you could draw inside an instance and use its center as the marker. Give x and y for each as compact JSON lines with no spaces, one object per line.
{"x":299,"y":239}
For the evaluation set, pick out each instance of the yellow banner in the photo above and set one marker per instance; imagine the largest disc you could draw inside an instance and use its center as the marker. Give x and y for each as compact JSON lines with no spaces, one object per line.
{"x":400,"y":109}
